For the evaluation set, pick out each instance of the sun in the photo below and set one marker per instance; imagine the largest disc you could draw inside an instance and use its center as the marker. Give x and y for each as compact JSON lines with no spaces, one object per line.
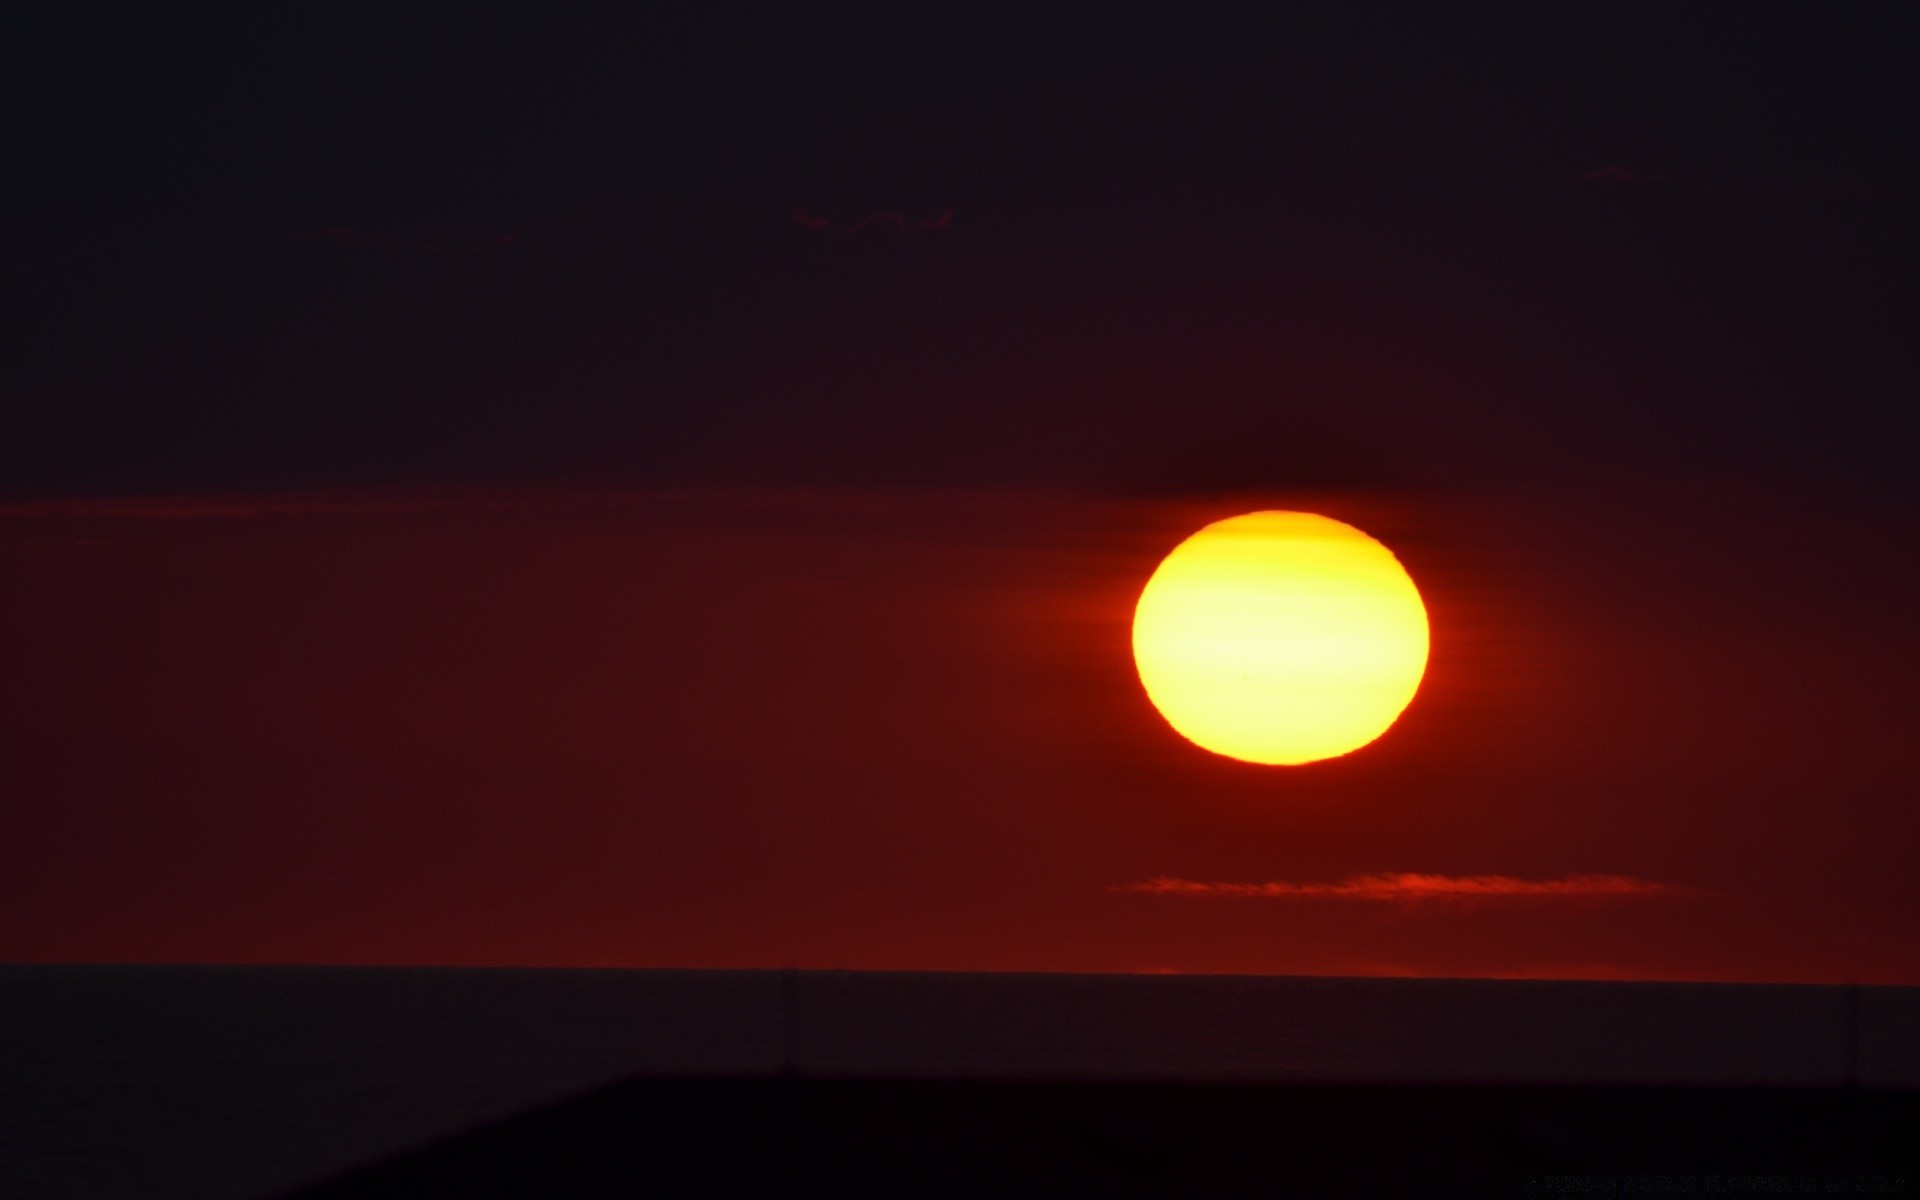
{"x":1280,"y":638}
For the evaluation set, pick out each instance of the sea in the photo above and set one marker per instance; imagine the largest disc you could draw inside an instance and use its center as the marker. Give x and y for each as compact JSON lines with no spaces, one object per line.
{"x":223,"y":1082}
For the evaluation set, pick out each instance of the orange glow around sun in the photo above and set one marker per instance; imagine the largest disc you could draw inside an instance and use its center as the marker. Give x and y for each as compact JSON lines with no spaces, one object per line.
{"x":1280,"y":638}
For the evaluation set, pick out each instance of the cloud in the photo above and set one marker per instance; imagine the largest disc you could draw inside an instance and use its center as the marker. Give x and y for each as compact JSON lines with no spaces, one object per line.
{"x":893,"y":220}
{"x":1615,"y":173}
{"x":344,"y":503}
{"x":354,"y":239}
{"x":868,"y":500}
{"x":198,"y":508}
{"x":899,"y":222}
{"x":1411,"y":887}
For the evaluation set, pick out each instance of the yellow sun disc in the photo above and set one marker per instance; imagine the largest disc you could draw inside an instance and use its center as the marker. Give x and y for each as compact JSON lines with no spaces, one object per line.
{"x":1280,"y":637}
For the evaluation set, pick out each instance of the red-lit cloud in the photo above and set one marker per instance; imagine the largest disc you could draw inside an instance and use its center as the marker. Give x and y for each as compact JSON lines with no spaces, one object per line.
{"x":892,"y":220}
{"x":354,"y":239}
{"x":1615,"y":173}
{"x":899,"y":222}
{"x":199,"y":508}
{"x":452,"y":500}
{"x":1409,"y":886}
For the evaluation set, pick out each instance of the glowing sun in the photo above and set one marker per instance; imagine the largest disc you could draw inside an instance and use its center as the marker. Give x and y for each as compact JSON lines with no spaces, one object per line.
{"x":1280,"y":637}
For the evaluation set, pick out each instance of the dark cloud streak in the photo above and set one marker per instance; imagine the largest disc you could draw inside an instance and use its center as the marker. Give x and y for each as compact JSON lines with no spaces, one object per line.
{"x":1408,"y":887}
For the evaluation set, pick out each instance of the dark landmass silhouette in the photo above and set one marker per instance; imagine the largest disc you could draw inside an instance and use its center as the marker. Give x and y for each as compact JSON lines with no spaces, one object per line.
{"x":891,"y":1137}
{"x":229,"y":1083}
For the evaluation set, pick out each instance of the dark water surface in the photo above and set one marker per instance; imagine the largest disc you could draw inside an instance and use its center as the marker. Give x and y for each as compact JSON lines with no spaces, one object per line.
{"x":223,"y":1082}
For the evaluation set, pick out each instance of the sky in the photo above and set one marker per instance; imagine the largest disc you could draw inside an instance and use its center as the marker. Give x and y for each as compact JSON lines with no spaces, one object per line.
{"x":669,"y":488}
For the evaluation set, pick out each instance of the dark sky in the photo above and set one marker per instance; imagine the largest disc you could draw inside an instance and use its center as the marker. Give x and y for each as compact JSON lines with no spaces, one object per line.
{"x":667,"y":485}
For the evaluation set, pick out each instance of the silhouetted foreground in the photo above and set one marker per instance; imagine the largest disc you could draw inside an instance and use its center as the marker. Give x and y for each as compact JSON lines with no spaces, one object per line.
{"x":756,"y":1136}
{"x":232,"y":1083}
